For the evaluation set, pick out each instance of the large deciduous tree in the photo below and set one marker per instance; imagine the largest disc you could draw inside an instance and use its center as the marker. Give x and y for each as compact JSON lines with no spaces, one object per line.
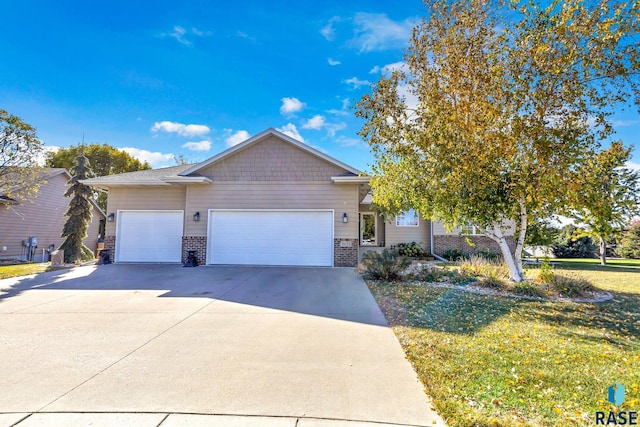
{"x":78,"y":213}
{"x":20,"y":151}
{"x":606,"y":195}
{"x":104,"y":159}
{"x":497,"y":107}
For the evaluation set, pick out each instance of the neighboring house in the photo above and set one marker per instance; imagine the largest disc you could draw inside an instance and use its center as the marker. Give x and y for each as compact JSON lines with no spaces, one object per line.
{"x":271,"y":200}
{"x":40,"y":216}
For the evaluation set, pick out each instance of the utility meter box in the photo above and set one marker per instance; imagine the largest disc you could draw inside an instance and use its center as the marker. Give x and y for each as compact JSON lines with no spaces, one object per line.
{"x":33,"y":242}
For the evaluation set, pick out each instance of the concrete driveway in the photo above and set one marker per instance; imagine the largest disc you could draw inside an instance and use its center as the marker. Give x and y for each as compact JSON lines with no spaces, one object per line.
{"x":165,"y":345}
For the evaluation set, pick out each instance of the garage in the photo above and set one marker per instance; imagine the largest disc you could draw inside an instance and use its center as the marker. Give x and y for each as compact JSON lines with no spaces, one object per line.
{"x":149,"y":236}
{"x":270,"y":237}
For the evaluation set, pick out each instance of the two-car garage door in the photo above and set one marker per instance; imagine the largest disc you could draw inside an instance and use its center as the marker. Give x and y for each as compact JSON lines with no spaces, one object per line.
{"x":270,"y":237}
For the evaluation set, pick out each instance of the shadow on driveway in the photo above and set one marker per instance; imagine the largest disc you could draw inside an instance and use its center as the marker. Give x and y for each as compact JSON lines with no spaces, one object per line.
{"x":337,"y":293}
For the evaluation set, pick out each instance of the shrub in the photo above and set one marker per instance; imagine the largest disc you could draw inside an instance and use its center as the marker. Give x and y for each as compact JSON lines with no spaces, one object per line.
{"x":546,"y":272}
{"x":582,"y":247}
{"x":528,"y":289}
{"x":487,"y":254}
{"x":630,"y":245}
{"x":479,"y":266}
{"x":492,"y":280}
{"x":385,"y":265}
{"x":453,"y":255}
{"x":433,"y":274}
{"x":571,"y":286}
{"x":412,"y":249}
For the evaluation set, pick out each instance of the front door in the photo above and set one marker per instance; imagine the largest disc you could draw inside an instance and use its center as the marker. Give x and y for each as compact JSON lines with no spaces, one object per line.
{"x":368,"y":229}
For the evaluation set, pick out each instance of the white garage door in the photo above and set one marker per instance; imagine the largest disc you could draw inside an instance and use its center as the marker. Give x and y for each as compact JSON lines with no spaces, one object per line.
{"x":149,"y":236}
{"x":270,"y":238}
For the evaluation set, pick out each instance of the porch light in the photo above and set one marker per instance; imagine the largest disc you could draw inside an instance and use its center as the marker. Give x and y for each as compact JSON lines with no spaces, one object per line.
{"x":111,"y":217}
{"x":196,"y":216}
{"x":345,"y":218}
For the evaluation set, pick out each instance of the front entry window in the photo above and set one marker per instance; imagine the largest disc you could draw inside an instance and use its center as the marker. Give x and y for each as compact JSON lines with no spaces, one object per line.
{"x":368,"y":229}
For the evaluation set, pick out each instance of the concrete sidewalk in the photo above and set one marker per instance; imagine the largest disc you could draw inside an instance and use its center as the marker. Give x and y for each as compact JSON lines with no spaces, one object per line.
{"x":165,"y":345}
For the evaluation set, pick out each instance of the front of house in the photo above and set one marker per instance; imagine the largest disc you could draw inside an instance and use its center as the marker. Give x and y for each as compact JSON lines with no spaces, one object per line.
{"x":271,"y":200}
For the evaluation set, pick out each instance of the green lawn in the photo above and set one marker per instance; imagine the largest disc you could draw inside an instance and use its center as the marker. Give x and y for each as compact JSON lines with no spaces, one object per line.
{"x":16,"y":270}
{"x":489,"y":360}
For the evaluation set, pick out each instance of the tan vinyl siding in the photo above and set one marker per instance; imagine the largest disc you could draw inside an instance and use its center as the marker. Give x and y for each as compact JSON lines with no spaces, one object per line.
{"x":41,"y":216}
{"x":395,"y":234}
{"x":272,"y":160}
{"x":143,"y":198}
{"x":281,"y":195}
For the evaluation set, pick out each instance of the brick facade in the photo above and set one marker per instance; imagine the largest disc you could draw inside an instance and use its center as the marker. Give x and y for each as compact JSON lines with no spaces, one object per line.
{"x":442,"y":244}
{"x":345,"y":252}
{"x":110,"y":247}
{"x":195,"y":243}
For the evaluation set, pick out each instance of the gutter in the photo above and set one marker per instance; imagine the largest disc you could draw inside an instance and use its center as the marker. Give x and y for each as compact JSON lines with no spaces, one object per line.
{"x":431,"y":244}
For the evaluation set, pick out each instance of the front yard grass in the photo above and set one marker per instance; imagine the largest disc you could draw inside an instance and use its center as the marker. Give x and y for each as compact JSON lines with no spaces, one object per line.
{"x":489,"y":360}
{"x":15,"y":270}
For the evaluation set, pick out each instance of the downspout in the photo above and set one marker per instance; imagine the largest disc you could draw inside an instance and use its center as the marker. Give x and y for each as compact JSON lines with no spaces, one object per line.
{"x":431,"y":243}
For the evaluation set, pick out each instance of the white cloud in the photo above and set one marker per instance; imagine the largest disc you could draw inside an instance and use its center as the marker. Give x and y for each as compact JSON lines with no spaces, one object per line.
{"x":349,"y":142}
{"x":396,"y":66}
{"x":345,"y":103}
{"x":337,"y":112}
{"x":42,"y":156}
{"x":316,"y":122}
{"x":204,"y":145}
{"x":291,"y":105}
{"x":333,"y":62}
{"x":356,"y":83}
{"x":624,"y":123}
{"x":375,"y":31}
{"x":155,"y":159}
{"x":332,"y":128}
{"x":245,"y":36}
{"x":375,"y":70}
{"x":291,"y":130}
{"x":235,"y":138}
{"x":180,"y":128}
{"x":328,"y":32}
{"x":633,"y":165}
{"x":179,"y":33}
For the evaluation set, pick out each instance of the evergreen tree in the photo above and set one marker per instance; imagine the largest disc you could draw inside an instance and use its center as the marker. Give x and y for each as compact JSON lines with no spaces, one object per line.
{"x":78,"y":214}
{"x":630,"y":245}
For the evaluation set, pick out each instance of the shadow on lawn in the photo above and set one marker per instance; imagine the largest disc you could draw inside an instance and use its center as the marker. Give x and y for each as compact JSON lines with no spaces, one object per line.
{"x":459,"y":312}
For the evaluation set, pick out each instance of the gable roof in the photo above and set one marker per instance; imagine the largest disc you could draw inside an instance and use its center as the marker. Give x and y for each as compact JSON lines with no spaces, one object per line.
{"x":162,"y":176}
{"x":254,"y":139}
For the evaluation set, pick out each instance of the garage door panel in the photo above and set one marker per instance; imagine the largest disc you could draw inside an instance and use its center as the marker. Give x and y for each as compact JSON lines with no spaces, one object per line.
{"x":149,"y":236}
{"x":271,"y":237}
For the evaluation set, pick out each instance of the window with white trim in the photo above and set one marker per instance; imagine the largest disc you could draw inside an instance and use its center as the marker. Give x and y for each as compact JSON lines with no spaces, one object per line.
{"x":470,"y":230}
{"x":407,"y":218}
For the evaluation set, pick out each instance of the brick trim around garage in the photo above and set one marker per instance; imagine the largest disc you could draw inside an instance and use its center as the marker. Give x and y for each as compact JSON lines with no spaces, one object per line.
{"x":195,"y":243}
{"x":345,"y":252}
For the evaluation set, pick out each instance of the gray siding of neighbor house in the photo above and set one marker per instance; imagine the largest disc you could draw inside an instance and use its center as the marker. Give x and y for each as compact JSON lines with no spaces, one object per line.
{"x":41,"y":216}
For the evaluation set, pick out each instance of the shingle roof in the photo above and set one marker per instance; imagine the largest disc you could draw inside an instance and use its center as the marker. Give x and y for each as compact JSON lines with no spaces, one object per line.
{"x":146,"y":176}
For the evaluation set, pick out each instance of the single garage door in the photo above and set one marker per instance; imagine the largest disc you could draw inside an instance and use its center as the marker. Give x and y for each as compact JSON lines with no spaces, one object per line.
{"x":149,"y":236}
{"x":270,"y":237}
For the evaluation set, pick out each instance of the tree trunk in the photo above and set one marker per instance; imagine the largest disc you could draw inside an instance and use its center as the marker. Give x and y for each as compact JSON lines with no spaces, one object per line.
{"x":603,"y":250}
{"x":513,"y":264}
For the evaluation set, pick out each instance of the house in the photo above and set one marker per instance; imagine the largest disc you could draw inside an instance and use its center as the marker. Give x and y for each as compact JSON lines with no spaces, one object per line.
{"x":40,"y":216}
{"x":270,"y":200}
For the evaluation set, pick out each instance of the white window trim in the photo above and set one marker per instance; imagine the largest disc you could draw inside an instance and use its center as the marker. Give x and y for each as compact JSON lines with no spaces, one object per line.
{"x":474,"y":231}
{"x":417,"y":224}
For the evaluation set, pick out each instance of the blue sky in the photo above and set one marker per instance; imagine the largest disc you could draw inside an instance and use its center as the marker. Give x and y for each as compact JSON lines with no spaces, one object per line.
{"x":161,"y":78}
